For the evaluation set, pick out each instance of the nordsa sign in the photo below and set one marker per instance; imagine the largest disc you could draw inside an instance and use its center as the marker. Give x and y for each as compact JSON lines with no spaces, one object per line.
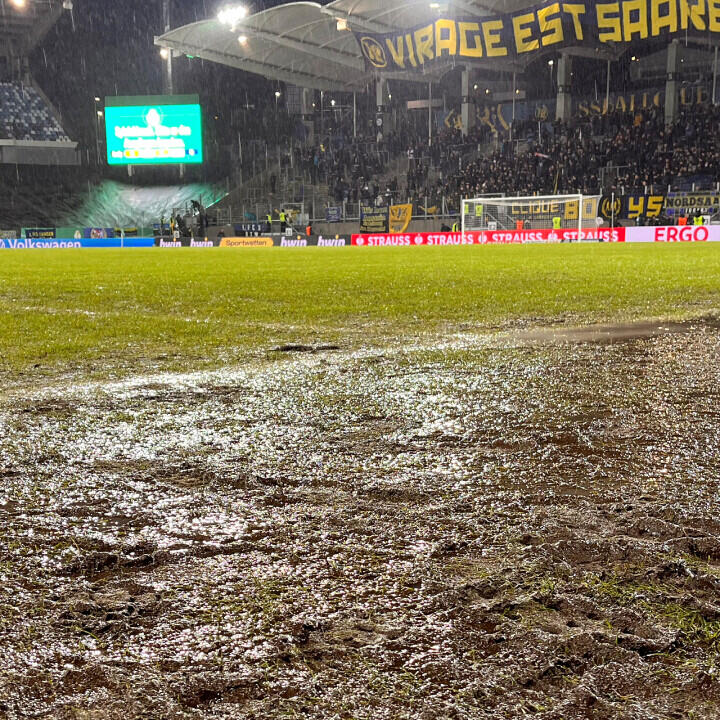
{"x":547,"y":26}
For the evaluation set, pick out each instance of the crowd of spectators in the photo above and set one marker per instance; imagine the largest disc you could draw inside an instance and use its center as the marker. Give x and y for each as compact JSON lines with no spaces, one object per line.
{"x":621,"y":152}
{"x":354,"y":163}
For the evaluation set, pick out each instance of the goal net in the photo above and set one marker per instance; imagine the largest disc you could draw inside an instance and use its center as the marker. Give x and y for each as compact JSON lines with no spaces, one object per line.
{"x":571,"y":217}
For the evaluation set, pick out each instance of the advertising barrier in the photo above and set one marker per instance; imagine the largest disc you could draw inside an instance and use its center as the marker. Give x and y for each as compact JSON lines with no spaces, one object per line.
{"x":660,"y":234}
{"x":75,"y":243}
{"x":312,"y":241}
{"x":168,"y":242}
{"x":489,"y":237}
{"x":674,"y":233}
{"x":246,"y":242}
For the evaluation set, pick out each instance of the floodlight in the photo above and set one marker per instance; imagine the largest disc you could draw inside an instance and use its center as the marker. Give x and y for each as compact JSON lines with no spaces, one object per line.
{"x":19,"y":4}
{"x":164,"y":53}
{"x":243,"y":39}
{"x":232,"y":15}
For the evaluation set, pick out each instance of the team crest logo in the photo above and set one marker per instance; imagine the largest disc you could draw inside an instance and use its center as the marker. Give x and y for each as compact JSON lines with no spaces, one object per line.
{"x":374,"y":52}
{"x":400,"y":217}
{"x":608,"y":208}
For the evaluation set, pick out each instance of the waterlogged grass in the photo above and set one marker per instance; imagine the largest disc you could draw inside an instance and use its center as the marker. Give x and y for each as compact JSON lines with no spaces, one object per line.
{"x":659,"y":602}
{"x":109,"y":311}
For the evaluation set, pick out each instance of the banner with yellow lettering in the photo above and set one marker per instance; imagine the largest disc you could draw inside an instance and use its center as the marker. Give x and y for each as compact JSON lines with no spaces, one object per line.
{"x":630,"y":207}
{"x":400,"y":217}
{"x":540,"y":28}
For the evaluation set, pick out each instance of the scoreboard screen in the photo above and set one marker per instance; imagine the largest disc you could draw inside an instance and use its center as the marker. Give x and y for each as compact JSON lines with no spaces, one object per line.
{"x":153,"y":130}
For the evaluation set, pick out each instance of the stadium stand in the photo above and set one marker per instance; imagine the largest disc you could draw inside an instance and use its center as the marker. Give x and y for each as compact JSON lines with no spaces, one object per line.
{"x":25,"y":116}
{"x":617,"y":151}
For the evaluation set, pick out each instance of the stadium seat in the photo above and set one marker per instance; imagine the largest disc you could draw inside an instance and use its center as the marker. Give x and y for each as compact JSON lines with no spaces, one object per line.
{"x":24,"y":115}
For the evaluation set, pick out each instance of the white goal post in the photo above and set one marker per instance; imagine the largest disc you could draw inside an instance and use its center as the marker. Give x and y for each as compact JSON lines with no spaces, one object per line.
{"x":571,"y":216}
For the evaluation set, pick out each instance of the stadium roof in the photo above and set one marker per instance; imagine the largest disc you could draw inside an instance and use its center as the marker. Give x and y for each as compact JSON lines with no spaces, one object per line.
{"x":303,"y":43}
{"x":24,"y":27}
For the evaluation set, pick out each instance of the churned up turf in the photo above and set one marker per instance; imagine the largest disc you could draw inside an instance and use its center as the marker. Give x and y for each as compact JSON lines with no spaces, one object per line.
{"x":121,"y":312}
{"x":403,"y":484}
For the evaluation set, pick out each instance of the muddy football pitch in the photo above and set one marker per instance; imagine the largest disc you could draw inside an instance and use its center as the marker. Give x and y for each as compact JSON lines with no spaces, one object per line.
{"x":423,"y":484}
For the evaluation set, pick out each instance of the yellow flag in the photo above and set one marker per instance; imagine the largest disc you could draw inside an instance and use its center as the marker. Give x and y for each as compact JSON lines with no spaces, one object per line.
{"x":400,"y":217}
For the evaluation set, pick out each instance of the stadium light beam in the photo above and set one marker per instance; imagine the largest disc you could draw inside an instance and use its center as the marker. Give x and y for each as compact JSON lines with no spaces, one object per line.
{"x":19,"y":4}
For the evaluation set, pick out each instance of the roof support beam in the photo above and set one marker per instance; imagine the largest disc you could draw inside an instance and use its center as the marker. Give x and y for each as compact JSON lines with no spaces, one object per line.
{"x":284,"y":74}
{"x":42,"y":26}
{"x":356,"y":20}
{"x":341,"y":58}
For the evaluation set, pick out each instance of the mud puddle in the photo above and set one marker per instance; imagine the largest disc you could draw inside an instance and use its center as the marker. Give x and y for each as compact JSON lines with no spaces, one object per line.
{"x":479,"y":531}
{"x":612,"y":333}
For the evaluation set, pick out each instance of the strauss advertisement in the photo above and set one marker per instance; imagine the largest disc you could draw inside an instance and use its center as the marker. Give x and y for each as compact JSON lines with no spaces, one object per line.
{"x":490,"y":237}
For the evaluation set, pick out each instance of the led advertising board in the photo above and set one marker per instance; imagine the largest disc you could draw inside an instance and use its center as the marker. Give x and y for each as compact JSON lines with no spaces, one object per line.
{"x":153,"y":130}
